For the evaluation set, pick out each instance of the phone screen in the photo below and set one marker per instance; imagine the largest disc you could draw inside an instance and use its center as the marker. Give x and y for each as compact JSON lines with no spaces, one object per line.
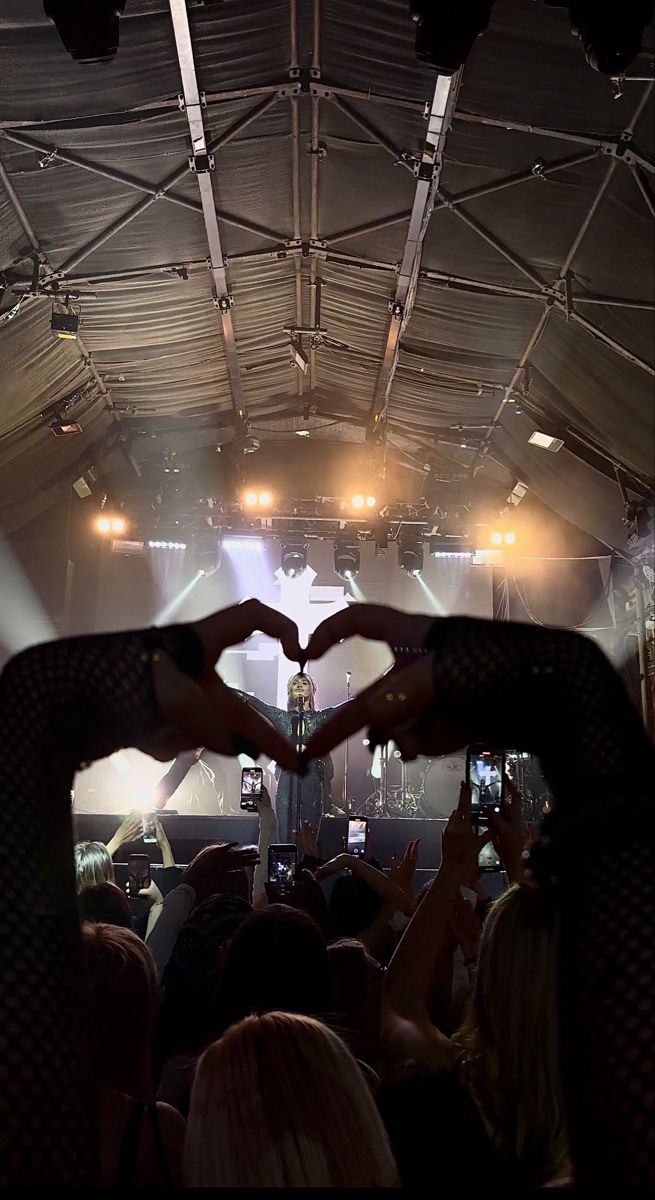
{"x":138,"y":872}
{"x":356,"y":841}
{"x":148,"y":828}
{"x":282,"y":862}
{"x":252,"y":782}
{"x":485,"y":769}
{"x":488,"y":859}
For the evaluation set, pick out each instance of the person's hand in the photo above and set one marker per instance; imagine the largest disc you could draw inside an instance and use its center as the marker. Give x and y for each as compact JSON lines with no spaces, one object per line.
{"x":152,"y":893}
{"x":333,"y":866}
{"x":306,"y":841}
{"x":402,"y":869}
{"x":308,"y":896}
{"x":460,"y":844}
{"x":209,"y":869}
{"x":164,"y":844}
{"x":263,"y":801}
{"x":509,"y":834}
{"x":465,"y":926}
{"x":130,"y":830}
{"x":400,"y":707}
{"x":208,"y":713}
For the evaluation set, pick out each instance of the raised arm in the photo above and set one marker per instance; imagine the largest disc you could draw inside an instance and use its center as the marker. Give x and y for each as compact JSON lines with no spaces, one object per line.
{"x":271,"y":711}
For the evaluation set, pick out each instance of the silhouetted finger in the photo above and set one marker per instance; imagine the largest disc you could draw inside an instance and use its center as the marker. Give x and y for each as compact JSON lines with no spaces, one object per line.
{"x":388,"y":705}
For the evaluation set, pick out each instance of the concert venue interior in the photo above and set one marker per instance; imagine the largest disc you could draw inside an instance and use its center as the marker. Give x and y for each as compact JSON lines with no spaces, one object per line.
{"x":325,"y":303}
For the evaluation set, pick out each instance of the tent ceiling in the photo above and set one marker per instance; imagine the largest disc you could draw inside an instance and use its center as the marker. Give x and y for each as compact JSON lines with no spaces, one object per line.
{"x":535,"y":288}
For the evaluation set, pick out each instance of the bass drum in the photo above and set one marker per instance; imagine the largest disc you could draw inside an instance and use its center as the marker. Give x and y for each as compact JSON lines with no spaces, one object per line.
{"x":440,"y":787}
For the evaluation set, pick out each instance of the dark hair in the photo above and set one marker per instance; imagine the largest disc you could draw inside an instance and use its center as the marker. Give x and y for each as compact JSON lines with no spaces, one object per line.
{"x":277,"y":960}
{"x":104,"y":903}
{"x":354,"y":905}
{"x":430,"y":1118}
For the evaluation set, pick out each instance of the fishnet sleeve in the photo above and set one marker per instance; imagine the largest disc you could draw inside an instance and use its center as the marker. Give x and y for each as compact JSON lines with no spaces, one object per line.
{"x":61,"y":704}
{"x":555,"y":693}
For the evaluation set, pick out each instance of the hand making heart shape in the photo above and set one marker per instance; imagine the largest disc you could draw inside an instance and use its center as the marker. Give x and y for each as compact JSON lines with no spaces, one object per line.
{"x":207,"y":712}
{"x":455,"y":680}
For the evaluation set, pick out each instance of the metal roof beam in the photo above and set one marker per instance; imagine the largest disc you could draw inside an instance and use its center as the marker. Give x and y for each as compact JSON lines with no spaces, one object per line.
{"x":87,"y":359}
{"x":539,"y":170}
{"x":429,"y":169}
{"x":644,"y":189}
{"x":294,"y":75}
{"x":492,"y":240}
{"x":315,"y":151}
{"x":202,"y":163}
{"x":400,"y":157}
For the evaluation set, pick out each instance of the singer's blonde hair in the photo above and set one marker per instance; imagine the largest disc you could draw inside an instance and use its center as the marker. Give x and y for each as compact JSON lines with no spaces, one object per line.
{"x":312,"y":696}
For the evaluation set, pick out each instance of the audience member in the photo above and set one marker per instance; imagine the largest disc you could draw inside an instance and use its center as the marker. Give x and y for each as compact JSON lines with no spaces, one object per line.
{"x":93,"y":864}
{"x":279,"y":1101}
{"x":105,"y":903}
{"x":141,"y":1143}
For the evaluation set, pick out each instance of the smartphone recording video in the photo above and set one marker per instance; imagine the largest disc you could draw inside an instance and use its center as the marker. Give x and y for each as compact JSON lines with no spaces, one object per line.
{"x":488,"y":859}
{"x":485,"y":771}
{"x":148,"y":827}
{"x":282,"y":862}
{"x":252,"y":782}
{"x":357,"y":833}
{"x":138,"y":872}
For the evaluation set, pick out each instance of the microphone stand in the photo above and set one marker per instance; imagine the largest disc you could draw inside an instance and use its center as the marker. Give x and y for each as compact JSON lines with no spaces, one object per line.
{"x":296,"y":808}
{"x":346,"y":753}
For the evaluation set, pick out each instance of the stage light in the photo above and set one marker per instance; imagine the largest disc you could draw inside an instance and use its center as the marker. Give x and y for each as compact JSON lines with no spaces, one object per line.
{"x":545,"y":441}
{"x":103,"y":524}
{"x":236,"y":543}
{"x":293,"y":558}
{"x":167,"y":545}
{"x":496,"y":538}
{"x":61,"y":428}
{"x":611,"y":34}
{"x":65,"y":325}
{"x":253,"y":499}
{"x":89,"y":31}
{"x":358,"y":501}
{"x":118,"y":525}
{"x":517,"y":493}
{"x":509,"y":538}
{"x":371,"y":501}
{"x":410,"y":556}
{"x":444,"y":39}
{"x":346,"y":560}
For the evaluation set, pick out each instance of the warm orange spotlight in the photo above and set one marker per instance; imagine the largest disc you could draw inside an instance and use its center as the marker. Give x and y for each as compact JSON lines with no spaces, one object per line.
{"x":118,"y":525}
{"x":510,"y":538}
{"x":103,"y":525}
{"x":250,"y":499}
{"x":496,"y":538}
{"x":371,"y":502}
{"x":358,"y":502}
{"x":265,"y":499}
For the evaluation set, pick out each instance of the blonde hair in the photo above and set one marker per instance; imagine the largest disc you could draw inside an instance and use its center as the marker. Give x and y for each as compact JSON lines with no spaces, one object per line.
{"x":279,"y":1101}
{"x":122,"y":1000}
{"x":312,"y":686}
{"x":92,"y":864}
{"x":511,"y":1061}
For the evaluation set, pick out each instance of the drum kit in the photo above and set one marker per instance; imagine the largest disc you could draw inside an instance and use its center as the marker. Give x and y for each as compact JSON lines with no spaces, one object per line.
{"x":429,"y":787}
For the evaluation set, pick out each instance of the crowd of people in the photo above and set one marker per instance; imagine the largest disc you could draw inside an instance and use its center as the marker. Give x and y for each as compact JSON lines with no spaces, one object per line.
{"x":354,"y":1030}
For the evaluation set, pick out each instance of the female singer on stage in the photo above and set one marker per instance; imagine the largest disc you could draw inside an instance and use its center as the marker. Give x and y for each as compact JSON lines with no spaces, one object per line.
{"x":315,"y":789}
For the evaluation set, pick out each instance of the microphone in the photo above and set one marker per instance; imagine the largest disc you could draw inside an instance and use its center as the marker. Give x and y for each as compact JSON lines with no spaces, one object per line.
{"x":349,"y":676}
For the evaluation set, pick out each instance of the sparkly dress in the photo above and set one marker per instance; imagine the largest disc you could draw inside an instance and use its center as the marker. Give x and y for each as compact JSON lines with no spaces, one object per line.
{"x":315,"y":790}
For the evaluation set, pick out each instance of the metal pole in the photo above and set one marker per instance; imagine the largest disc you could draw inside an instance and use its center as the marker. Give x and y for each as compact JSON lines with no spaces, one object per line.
{"x":544,"y":170}
{"x":346,"y":754}
{"x":372,"y":131}
{"x":492,"y":240}
{"x":315,"y":73}
{"x":645,"y":190}
{"x":369,"y":227}
{"x":294,"y":73}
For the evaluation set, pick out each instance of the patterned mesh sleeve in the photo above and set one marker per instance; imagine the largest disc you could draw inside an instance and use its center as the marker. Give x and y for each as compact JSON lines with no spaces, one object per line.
{"x":61,"y":704}
{"x":555,"y":693}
